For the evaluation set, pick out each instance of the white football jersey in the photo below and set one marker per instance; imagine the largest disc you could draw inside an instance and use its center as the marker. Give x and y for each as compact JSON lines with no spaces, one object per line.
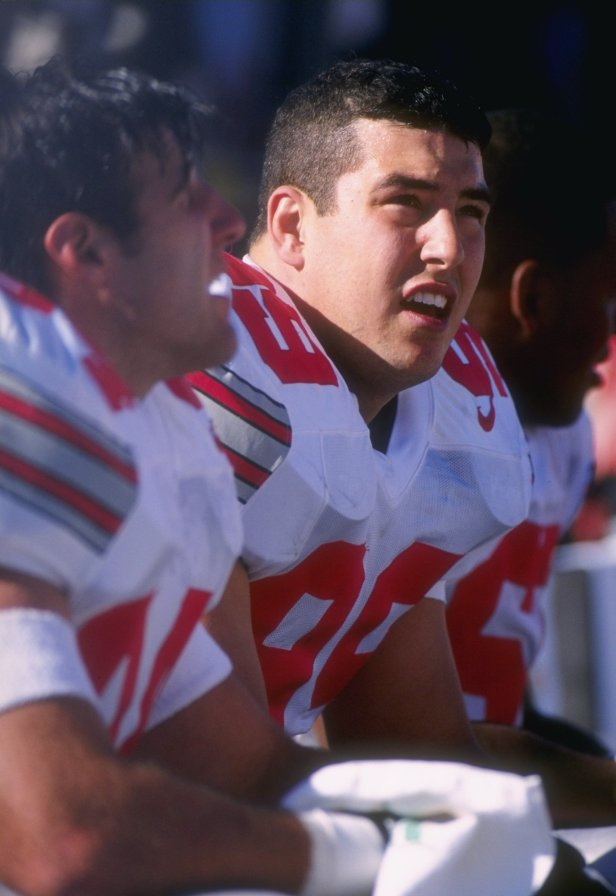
{"x":495,"y":612}
{"x":127,"y":505}
{"x":340,"y":539}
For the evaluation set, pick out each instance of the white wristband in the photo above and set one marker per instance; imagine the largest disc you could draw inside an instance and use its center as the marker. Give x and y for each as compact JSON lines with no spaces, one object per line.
{"x":39,"y":658}
{"x":346,"y":854}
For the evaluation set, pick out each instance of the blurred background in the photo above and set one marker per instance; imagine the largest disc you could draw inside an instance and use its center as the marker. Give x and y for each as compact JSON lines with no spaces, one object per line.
{"x":244,"y":55}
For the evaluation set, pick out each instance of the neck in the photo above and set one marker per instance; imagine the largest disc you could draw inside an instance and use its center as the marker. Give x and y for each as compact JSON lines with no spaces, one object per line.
{"x":120,"y":348}
{"x":370,"y":399}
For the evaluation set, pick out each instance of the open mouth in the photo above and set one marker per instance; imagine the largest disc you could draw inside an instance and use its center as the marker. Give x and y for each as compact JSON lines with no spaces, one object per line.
{"x":428,"y":303}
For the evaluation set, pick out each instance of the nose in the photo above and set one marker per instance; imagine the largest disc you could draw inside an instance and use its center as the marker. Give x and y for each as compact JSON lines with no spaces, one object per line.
{"x":228,"y":225}
{"x":440,"y":240}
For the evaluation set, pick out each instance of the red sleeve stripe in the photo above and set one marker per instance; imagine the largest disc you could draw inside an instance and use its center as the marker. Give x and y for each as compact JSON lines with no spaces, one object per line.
{"x":253,"y":429}
{"x":49,"y":464}
{"x":253,"y":454}
{"x":20,"y":400}
{"x":54,"y":500}
{"x":248,"y":475}
{"x":247,"y":403}
{"x":75,"y":500}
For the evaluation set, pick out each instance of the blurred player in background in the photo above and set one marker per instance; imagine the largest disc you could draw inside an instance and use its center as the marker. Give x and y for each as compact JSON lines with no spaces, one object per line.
{"x":545,"y":306}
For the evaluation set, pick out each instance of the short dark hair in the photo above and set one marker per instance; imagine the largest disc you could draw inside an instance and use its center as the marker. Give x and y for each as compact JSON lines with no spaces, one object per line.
{"x":549,"y":192}
{"x":311,"y":142}
{"x":68,"y":142}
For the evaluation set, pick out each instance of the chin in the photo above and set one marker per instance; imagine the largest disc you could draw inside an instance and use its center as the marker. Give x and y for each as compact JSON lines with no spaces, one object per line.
{"x":420,"y":372}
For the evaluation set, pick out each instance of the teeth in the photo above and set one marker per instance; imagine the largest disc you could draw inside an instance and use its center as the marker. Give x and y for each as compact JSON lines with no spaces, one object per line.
{"x":430,"y":298}
{"x":220,"y":286}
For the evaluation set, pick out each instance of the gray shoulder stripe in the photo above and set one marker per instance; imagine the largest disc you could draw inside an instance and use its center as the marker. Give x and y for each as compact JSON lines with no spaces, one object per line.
{"x":256,"y":397}
{"x":57,"y":510}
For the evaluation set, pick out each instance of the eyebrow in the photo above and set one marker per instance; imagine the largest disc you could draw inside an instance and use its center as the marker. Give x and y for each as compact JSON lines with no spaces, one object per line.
{"x":404,"y":181}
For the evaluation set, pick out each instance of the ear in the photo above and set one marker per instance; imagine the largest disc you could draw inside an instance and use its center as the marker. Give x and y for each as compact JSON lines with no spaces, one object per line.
{"x":74,"y":244}
{"x":286,"y":213}
{"x":533,"y":296}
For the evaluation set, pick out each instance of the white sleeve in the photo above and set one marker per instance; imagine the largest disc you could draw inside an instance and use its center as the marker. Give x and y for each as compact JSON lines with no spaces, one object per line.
{"x":67,"y":483}
{"x":201,"y":666}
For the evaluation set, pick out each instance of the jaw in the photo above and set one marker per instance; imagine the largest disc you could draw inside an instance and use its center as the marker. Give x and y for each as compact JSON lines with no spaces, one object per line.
{"x":377,"y":379}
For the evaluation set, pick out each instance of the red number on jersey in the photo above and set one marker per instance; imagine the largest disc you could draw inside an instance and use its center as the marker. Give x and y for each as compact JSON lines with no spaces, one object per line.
{"x":115,"y":638}
{"x":277,"y":330}
{"x":493,"y":610}
{"x":297,"y":613}
{"x":311,"y":617}
{"x":468,"y":362}
{"x":404,"y":583}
